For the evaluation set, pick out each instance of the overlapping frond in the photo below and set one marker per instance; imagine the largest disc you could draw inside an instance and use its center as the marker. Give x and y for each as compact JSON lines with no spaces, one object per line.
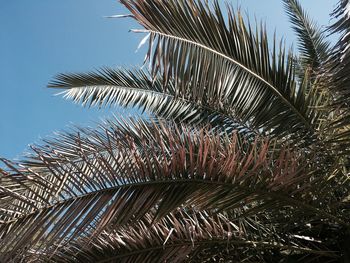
{"x":339,"y":64}
{"x":135,"y":88}
{"x":217,"y":172}
{"x":312,"y":45}
{"x":336,"y":75}
{"x":189,"y":236}
{"x":79,"y":183}
{"x":204,"y":69}
{"x":191,"y":43}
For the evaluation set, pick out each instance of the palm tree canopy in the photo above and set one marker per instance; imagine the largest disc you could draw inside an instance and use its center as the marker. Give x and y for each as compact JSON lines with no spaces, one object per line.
{"x":243,"y":156}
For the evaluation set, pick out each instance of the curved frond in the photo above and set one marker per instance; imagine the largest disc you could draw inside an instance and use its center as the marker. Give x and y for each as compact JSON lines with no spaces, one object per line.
{"x":109,"y":87}
{"x":338,"y":67}
{"x":217,"y":173}
{"x":82,"y":182}
{"x":188,"y":236}
{"x":312,"y":44}
{"x":337,"y":81}
{"x":191,"y":43}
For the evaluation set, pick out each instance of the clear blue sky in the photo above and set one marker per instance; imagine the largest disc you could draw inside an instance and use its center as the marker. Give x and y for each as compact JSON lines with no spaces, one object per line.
{"x":40,"y":38}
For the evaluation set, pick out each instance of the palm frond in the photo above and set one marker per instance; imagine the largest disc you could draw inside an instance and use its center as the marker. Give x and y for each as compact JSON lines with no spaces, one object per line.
{"x":339,"y":63}
{"x":81,"y":182}
{"x":190,"y":236}
{"x":337,"y":81}
{"x":130,"y":88}
{"x":191,"y":43}
{"x":312,"y":44}
{"x":217,"y":173}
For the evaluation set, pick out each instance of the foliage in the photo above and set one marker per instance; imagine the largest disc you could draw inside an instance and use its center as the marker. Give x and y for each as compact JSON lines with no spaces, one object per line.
{"x":244,"y":156}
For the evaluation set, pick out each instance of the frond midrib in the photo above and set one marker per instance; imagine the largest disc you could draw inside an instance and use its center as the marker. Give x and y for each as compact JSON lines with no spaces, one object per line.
{"x":273,"y":88}
{"x":220,"y":241}
{"x":229,"y":185}
{"x":111,"y":189}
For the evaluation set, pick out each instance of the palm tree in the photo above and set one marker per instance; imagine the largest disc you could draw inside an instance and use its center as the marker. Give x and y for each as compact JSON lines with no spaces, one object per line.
{"x":243,"y":156}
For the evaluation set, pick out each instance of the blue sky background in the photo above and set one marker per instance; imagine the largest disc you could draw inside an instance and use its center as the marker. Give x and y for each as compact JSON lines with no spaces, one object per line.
{"x":40,"y":38}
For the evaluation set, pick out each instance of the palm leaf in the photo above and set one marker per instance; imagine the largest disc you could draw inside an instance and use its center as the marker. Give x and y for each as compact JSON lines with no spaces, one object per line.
{"x":191,"y":236}
{"x":122,"y":87}
{"x":82,"y":182}
{"x":191,"y":43}
{"x":338,"y":65}
{"x":312,"y":45}
{"x":337,"y":82}
{"x":232,"y":76}
{"x":185,"y":187}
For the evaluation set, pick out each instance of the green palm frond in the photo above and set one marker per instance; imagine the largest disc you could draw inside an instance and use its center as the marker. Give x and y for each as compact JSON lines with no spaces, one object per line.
{"x":81,"y":182}
{"x":312,"y":44}
{"x":191,"y":43}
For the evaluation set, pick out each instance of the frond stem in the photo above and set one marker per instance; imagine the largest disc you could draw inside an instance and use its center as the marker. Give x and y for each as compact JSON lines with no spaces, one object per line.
{"x":195,"y":181}
{"x":223,"y":242}
{"x":275,"y":90}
